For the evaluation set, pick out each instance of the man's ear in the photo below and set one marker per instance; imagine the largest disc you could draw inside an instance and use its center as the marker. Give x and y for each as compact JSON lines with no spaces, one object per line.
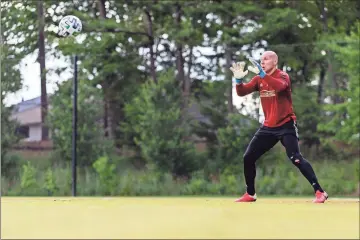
{"x":276,"y":61}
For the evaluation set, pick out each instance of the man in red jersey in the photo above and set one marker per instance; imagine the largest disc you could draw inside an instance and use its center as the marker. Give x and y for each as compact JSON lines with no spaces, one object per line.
{"x":279,"y":125}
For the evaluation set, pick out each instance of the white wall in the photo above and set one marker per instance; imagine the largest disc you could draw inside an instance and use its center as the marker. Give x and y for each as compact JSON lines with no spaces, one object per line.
{"x":30,"y":116}
{"x":34,"y":133}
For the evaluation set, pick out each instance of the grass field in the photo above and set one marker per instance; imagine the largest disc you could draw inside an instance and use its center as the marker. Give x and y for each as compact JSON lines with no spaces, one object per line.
{"x":160,"y":217}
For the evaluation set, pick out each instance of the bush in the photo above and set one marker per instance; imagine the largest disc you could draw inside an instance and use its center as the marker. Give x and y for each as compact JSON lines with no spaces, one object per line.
{"x":278,"y":177}
{"x":106,"y":174}
{"x":10,"y":165}
{"x":50,"y":184}
{"x":8,"y":137}
{"x":29,"y":185}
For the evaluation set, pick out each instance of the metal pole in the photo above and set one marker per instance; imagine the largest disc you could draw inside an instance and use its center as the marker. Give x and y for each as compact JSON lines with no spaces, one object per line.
{"x":74,"y":126}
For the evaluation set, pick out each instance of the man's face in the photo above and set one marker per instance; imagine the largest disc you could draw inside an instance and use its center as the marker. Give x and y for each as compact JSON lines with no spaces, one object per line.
{"x":268,"y":61}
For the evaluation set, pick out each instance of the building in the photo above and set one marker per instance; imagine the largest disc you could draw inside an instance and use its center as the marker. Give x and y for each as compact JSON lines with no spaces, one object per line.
{"x":28,"y":115}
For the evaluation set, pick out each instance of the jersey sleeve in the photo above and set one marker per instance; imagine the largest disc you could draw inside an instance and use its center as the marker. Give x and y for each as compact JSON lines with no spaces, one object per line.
{"x":243,"y":89}
{"x":279,"y":83}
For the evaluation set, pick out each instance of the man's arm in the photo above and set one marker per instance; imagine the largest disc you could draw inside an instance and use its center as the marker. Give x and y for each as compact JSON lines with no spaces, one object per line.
{"x":279,"y":83}
{"x":243,"y":89}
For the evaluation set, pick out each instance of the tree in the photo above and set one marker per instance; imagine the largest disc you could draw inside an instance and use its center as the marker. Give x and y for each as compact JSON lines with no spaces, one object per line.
{"x":344,"y":122}
{"x":161,"y":135}
{"x":92,"y":143}
{"x":41,"y":59}
{"x":11,"y":80}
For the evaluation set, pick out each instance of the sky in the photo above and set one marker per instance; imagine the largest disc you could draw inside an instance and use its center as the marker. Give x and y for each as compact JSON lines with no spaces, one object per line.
{"x":30,"y":73}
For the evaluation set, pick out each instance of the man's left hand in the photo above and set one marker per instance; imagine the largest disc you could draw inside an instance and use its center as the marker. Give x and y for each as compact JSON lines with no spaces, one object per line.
{"x":256,"y":68}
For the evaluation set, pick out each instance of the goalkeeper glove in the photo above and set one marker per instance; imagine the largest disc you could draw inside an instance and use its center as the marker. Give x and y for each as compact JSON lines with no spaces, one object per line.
{"x":238,"y":71}
{"x":256,"y":68}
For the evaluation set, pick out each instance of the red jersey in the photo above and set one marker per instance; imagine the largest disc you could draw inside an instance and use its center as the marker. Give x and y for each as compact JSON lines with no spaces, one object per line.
{"x":275,"y":95}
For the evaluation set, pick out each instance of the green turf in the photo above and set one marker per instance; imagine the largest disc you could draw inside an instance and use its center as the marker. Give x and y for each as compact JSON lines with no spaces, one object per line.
{"x":203,"y":217}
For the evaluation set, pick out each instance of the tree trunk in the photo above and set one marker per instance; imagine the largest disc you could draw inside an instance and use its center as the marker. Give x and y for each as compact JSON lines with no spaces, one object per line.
{"x":305,"y":70}
{"x":321,"y":6}
{"x":177,"y":169}
{"x":180,"y":61}
{"x":330,"y":67}
{"x":104,"y":85}
{"x":149,"y":29}
{"x":292,"y":3}
{"x":187,"y":84}
{"x":228,"y":77}
{"x":41,"y":59}
{"x":330,"y":70}
{"x":190,"y":63}
{"x":321,"y":85}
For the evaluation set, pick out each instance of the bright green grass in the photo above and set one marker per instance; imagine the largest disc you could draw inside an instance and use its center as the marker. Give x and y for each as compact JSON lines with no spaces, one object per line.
{"x":203,"y":217}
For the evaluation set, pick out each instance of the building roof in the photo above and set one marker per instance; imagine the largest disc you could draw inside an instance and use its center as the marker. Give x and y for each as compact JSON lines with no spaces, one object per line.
{"x":26,"y":105}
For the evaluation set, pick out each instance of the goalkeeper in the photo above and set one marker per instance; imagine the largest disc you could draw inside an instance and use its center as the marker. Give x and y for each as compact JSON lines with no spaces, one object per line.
{"x":279,"y":125}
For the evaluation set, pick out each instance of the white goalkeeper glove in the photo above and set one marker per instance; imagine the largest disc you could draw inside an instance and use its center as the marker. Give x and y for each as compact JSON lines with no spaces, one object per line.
{"x":256,"y":68}
{"x":238,"y":71}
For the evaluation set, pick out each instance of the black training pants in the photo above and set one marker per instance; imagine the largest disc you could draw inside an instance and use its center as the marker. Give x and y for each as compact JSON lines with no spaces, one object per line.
{"x":266,"y":138}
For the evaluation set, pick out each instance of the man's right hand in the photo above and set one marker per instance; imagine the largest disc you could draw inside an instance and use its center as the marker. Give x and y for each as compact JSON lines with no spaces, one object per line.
{"x":238,"y":70}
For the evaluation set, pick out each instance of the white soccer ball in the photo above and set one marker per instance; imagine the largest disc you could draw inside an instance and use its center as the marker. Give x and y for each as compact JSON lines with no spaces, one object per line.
{"x":69,"y":25}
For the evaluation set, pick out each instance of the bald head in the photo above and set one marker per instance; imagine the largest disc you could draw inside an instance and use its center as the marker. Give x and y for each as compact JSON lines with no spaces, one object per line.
{"x":269,"y":61}
{"x":271,"y":55}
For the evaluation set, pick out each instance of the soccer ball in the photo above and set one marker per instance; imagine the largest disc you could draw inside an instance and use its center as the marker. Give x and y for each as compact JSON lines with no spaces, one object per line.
{"x":69,"y":25}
